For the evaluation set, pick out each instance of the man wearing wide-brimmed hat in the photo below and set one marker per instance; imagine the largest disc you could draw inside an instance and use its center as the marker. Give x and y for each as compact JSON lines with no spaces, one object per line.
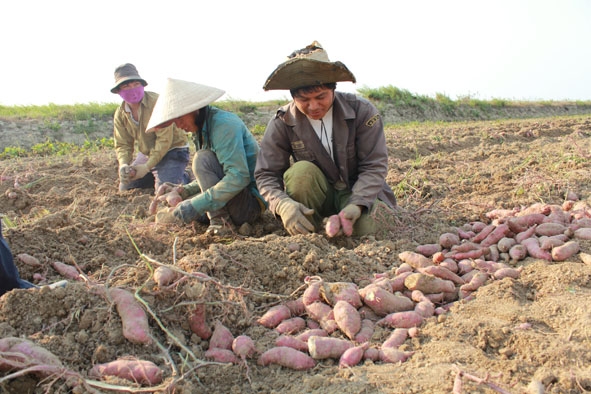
{"x":224,"y":162}
{"x":336,"y":141}
{"x":163,"y":156}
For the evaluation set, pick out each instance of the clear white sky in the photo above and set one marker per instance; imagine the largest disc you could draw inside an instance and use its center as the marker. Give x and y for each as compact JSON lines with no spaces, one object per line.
{"x":65,"y":52}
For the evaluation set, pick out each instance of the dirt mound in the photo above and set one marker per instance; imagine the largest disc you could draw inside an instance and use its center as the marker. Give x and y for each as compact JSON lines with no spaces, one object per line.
{"x":517,"y":335}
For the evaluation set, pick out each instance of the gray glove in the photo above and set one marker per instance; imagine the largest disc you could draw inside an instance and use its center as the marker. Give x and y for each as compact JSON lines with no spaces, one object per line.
{"x":293,"y":215}
{"x":126,"y":173}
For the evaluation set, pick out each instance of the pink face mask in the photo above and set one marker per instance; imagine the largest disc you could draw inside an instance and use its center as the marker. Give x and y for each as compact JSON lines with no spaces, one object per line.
{"x":133,"y":95}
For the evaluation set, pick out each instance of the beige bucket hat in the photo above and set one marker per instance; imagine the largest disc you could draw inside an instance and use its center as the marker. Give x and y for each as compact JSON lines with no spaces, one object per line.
{"x":126,"y":72}
{"x":180,"y":98}
{"x":307,"y":67}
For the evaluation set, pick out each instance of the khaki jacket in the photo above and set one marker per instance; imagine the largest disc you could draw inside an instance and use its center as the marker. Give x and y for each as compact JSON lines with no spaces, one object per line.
{"x":127,"y":134}
{"x":361,"y":155}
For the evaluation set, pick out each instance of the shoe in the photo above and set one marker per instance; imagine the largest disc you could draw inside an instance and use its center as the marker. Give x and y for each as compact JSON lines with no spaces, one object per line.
{"x":221,"y":226}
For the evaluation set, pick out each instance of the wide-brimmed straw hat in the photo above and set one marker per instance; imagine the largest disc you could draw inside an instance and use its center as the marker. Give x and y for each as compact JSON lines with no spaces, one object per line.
{"x":180,"y":98}
{"x":126,"y":72}
{"x":307,"y":67}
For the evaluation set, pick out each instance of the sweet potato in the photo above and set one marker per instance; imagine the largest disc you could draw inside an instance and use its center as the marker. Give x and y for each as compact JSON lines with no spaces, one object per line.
{"x":366,"y":331}
{"x":428,"y":250}
{"x":221,"y":355}
{"x":382,"y":302}
{"x":139,"y":371}
{"x":25,"y":353}
{"x":352,"y":356}
{"x":447,"y":240}
{"x":197,"y":322}
{"x":415,"y":260}
{"x":336,"y":291}
{"x":563,"y":252}
{"x":550,"y":229}
{"x":518,"y":252}
{"x":396,"y":338}
{"x":135,"y":322}
{"x":346,"y":224}
{"x":243,"y":346}
{"x":333,"y":226}
{"x":347,"y":318}
{"x":405,"y":319}
{"x":505,"y":244}
{"x":28,"y":260}
{"x":519,"y":224}
{"x":508,"y":272}
{"x":327,"y":347}
{"x":287,"y":357}
{"x":296,"y":307}
{"x":312,"y":292}
{"x":583,"y":233}
{"x":471,"y":254}
{"x":425,"y":308}
{"x":393,"y":355}
{"x":274,"y":316}
{"x":323,"y":314}
{"x":308,"y":333}
{"x":397,"y":283}
{"x":533,"y":249}
{"x":547,"y":243}
{"x":66,"y":270}
{"x":495,"y":236}
{"x":428,"y":284}
{"x":482,"y":234}
{"x":442,"y":273}
{"x":371,"y":353}
{"x":221,"y":338}
{"x":292,"y":342}
{"x":291,"y":325}
{"x":163,"y":276}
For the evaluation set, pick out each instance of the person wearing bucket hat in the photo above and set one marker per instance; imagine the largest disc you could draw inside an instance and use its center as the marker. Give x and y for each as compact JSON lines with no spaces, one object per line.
{"x":337,"y":146}
{"x":224,"y":188}
{"x":161,"y":157}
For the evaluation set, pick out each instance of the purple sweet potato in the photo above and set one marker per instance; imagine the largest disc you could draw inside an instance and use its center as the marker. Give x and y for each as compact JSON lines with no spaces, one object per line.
{"x":352,"y":356}
{"x":139,"y":371}
{"x":405,"y":319}
{"x":221,"y":338}
{"x":287,"y":357}
{"x":563,"y":252}
{"x":393,"y":355}
{"x":336,"y":291}
{"x":347,"y":318}
{"x":327,"y":347}
{"x":135,"y":321}
{"x":221,"y":355}
{"x":291,"y":326}
{"x":366,"y":331}
{"x":382,"y":302}
{"x":274,"y":316}
{"x":428,"y":284}
{"x":396,"y":338}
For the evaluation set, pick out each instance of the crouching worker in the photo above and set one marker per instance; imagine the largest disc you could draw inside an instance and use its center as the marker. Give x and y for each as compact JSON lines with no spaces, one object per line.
{"x":224,"y":188}
{"x":337,"y":144}
{"x":161,"y":157}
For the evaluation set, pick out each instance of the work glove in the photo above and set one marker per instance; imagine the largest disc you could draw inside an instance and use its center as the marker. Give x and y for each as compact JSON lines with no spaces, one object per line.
{"x":141,"y":170}
{"x":126,"y":173}
{"x":349,"y":216}
{"x":293,"y":215}
{"x":185,"y":212}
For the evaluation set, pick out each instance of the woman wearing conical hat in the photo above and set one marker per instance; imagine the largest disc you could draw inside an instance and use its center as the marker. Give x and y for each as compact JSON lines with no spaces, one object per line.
{"x":224,"y":188}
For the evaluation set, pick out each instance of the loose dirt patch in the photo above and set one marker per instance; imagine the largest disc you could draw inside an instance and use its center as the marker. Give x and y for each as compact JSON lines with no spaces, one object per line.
{"x":68,"y":209}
